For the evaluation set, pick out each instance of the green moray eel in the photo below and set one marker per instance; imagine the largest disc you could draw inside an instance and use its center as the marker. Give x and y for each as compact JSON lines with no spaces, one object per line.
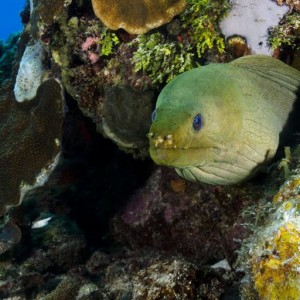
{"x":221,"y":123}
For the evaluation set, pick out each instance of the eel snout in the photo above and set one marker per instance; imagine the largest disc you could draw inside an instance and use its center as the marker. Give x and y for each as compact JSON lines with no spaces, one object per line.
{"x":161,"y":141}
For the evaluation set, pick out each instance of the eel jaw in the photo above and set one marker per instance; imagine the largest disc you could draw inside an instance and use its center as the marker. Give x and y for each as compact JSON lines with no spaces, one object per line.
{"x":161,"y":142}
{"x":162,"y":148}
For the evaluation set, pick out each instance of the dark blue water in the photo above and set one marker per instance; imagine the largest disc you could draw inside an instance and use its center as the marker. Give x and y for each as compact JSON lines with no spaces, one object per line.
{"x":10,"y":20}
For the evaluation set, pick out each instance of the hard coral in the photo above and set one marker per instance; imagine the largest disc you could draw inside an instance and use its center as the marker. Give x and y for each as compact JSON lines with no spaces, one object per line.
{"x":276,"y":270}
{"x":273,"y":255}
{"x":137,"y":17}
{"x":29,"y":140}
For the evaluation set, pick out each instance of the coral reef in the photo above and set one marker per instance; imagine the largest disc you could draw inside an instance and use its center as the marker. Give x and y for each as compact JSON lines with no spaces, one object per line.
{"x":67,"y":289}
{"x":10,"y":236}
{"x":277,"y":263}
{"x":201,"y":20}
{"x":7,"y":55}
{"x":45,"y":15}
{"x":136,"y":106}
{"x":294,"y":4}
{"x":92,"y":58}
{"x":167,"y":208}
{"x":102,"y":75}
{"x":103,"y":224}
{"x":170,"y":280}
{"x":163,"y":57}
{"x":271,"y":255}
{"x":237,"y":46}
{"x":251,"y":23}
{"x":30,"y":73}
{"x":287,"y":34}
{"x":137,"y":17}
{"x":30,"y":140}
{"x":154,"y":54}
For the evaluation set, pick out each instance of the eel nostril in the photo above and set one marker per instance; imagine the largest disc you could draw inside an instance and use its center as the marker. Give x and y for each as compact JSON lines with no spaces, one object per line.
{"x":150,"y":135}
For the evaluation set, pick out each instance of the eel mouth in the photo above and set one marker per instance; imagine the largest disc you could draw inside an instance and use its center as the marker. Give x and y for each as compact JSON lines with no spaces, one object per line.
{"x":166,"y":156}
{"x":162,"y":141}
{"x":178,"y":157}
{"x":165,"y":149}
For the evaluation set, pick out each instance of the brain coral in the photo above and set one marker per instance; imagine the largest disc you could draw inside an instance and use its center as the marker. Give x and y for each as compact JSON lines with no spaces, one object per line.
{"x":29,"y":139}
{"x":137,"y":16}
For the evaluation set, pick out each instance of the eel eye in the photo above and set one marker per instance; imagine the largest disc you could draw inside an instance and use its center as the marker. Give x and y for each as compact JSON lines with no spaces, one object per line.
{"x":153,"y":115}
{"x":198,"y":122}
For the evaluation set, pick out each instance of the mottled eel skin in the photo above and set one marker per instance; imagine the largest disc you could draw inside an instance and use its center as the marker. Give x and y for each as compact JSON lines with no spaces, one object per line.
{"x":221,"y":123}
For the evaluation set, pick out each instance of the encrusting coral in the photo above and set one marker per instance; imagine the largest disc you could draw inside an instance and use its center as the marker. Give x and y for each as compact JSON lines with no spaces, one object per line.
{"x":274,"y":255}
{"x":136,"y":17}
{"x":278,"y":263}
{"x":29,"y":140}
{"x":271,"y":256}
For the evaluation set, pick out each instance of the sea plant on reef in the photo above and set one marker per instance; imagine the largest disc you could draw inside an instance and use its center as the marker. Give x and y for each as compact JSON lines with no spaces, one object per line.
{"x":201,"y":19}
{"x":160,"y":59}
{"x":108,"y":41}
{"x":163,"y":56}
{"x":287,"y":33}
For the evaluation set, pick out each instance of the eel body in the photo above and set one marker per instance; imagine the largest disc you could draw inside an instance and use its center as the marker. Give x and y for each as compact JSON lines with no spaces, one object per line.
{"x":221,"y":123}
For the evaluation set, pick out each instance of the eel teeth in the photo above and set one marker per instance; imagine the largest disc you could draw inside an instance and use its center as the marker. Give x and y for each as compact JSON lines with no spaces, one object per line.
{"x":166,"y":140}
{"x":159,"y":140}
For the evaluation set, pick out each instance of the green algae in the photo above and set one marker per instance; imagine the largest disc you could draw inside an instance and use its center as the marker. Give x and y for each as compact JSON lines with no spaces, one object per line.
{"x":108,"y":41}
{"x":160,"y":59}
{"x":164,"y":56}
{"x":201,"y":18}
{"x":287,"y":33}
